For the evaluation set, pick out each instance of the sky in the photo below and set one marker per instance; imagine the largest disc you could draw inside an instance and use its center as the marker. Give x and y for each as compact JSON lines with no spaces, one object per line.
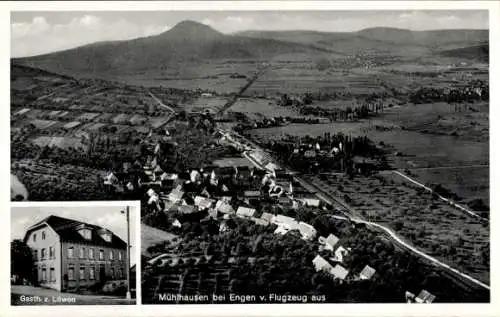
{"x":34,"y":33}
{"x":108,"y":217}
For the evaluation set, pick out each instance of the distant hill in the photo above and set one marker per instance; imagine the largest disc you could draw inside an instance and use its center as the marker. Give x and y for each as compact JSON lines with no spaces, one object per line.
{"x":478,"y":52}
{"x":190,"y":43}
{"x":380,"y":39}
{"x":187,"y":42}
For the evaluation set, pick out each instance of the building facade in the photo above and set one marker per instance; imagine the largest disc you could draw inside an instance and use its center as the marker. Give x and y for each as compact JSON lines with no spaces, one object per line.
{"x":71,"y":255}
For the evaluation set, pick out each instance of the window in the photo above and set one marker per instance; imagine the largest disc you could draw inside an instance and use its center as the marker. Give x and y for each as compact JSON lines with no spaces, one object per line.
{"x":52,"y":275}
{"x":86,"y":233}
{"x":35,"y":255}
{"x":82,"y":253}
{"x":121,"y":273}
{"x":51,"y":252}
{"x":106,"y":237}
{"x":44,"y":274}
{"x":120,"y":255}
{"x":112,"y":273}
{"x":91,"y":253}
{"x":92,"y":273}
{"x":71,"y":274}
{"x":43,"y":235}
{"x":82,"y":272}
{"x":111,"y":254}
{"x":34,"y":237}
{"x":70,"y":252}
{"x":101,"y":254}
{"x":43,"y":253}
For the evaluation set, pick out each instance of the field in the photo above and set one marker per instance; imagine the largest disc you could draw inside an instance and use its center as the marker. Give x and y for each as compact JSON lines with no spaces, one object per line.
{"x":67,"y":182}
{"x":233,"y":161}
{"x":214,"y":77}
{"x":467,"y":182}
{"x":430,"y":224}
{"x":58,"y":110}
{"x":452,"y":144}
{"x":258,"y":108}
{"x":297,"y":78}
{"x":151,"y":236}
{"x":61,"y":142}
{"x":201,"y":104}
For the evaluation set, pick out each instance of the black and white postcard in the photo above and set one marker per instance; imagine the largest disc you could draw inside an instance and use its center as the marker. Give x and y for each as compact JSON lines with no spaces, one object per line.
{"x":302,"y":153}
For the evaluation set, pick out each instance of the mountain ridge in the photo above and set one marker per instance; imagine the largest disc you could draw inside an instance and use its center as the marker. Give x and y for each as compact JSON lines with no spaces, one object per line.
{"x":191,"y":42}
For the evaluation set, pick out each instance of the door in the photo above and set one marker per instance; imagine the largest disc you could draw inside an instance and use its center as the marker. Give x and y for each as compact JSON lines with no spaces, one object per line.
{"x":65,"y":282}
{"x":102,"y":273}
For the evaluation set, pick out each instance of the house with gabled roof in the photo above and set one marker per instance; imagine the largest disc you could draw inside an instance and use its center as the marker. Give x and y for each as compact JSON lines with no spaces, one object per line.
{"x":260,"y":221}
{"x":203,"y":203}
{"x":339,"y":272}
{"x":425,"y":297}
{"x":289,"y":222}
{"x":176,"y":194}
{"x":245,"y":212}
{"x":71,"y":254}
{"x":330,"y":242}
{"x":367,"y":273}
{"x":320,"y":264}
{"x":266,"y":216}
{"x":224,"y":207}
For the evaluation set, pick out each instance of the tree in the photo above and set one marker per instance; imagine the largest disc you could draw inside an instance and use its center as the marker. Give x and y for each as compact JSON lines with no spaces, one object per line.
{"x":22,"y":261}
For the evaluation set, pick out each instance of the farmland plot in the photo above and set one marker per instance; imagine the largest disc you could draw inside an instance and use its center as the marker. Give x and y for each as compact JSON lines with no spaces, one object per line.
{"x":297,"y":81}
{"x":138,"y":119}
{"x":71,"y":125}
{"x":87,"y":116}
{"x":468,"y":182}
{"x":157,"y":121}
{"x":22,"y":111}
{"x":60,"y":142}
{"x":262,"y":107}
{"x":428,"y":223}
{"x":211,"y":104}
{"x":302,"y":129}
{"x":43,"y":124}
{"x":121,"y":118}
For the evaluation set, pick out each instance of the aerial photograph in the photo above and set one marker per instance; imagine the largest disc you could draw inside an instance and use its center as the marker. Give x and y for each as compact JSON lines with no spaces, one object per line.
{"x":278,"y":156}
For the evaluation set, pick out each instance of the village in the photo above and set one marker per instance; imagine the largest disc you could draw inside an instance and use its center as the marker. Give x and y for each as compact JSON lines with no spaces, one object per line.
{"x":256,"y":190}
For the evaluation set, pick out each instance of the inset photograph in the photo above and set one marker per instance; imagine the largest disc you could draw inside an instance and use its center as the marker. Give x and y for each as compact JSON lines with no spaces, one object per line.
{"x":73,"y":253}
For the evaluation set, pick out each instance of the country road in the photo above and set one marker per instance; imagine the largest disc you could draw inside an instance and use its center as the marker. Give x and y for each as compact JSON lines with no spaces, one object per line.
{"x":349,"y":217}
{"x":161,"y":103}
{"x":230,"y":103}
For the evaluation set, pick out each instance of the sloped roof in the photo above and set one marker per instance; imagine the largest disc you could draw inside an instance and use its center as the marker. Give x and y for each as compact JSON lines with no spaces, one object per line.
{"x":425,"y":296}
{"x":339,"y":272}
{"x":66,"y":229}
{"x":367,"y":272}
{"x":285,"y":220}
{"x":332,"y":240}
{"x":320,"y":263}
{"x":203,"y":202}
{"x":245,"y":211}
{"x":224,"y":207}
{"x":266,"y":216}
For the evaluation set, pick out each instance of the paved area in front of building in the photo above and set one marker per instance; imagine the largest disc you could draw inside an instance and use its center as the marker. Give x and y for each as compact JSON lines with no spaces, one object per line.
{"x":30,"y":295}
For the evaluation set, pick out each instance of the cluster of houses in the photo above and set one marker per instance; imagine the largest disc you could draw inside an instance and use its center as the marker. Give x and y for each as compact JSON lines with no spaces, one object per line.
{"x":337,"y":270}
{"x":424,"y":297}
